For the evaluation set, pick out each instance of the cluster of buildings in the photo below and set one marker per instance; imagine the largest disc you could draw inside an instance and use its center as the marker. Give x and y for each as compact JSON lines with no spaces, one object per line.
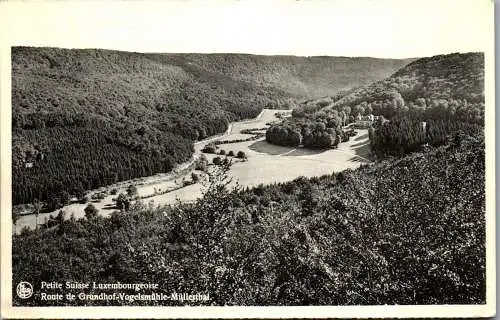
{"x":364,"y":122}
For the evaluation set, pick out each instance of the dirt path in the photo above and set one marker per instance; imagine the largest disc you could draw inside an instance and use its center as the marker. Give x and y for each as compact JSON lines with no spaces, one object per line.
{"x":288,"y":152}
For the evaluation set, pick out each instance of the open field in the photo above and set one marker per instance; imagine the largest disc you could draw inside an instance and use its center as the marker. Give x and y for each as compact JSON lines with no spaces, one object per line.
{"x":266,"y":163}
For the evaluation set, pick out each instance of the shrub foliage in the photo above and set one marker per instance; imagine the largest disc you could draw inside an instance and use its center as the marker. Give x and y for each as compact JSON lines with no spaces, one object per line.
{"x":410,"y":231}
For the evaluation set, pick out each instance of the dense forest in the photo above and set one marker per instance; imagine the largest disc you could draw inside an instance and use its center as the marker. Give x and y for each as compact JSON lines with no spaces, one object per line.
{"x":401,"y":136}
{"x":409,"y":231}
{"x":89,"y":155}
{"x":85,"y":118}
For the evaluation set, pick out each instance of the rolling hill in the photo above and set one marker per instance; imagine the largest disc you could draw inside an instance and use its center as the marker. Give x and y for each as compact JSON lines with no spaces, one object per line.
{"x":308,"y":77}
{"x":444,"y":85}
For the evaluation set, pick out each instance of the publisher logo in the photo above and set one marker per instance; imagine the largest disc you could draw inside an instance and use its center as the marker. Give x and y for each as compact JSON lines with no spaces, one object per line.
{"x":24,"y":290}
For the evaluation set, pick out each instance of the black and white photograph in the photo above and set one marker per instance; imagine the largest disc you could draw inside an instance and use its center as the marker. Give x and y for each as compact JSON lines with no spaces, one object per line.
{"x":229,"y":156}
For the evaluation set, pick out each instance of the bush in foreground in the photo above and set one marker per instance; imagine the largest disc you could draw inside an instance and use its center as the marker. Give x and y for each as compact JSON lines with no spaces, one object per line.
{"x":407,"y":232}
{"x":241,"y":155}
{"x":90,"y":211}
{"x":217,"y":161}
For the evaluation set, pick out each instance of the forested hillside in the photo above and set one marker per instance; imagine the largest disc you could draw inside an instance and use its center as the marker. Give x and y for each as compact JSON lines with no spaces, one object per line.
{"x":309,"y":77}
{"x":86,"y":118}
{"x":450,"y":86}
{"x":434,"y":98}
{"x":410,"y":231}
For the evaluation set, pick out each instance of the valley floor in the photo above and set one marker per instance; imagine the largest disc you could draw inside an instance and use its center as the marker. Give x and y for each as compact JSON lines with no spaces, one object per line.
{"x":266,"y":164}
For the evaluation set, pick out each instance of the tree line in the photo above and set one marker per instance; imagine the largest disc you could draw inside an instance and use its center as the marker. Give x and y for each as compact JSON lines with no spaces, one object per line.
{"x":400,"y":136}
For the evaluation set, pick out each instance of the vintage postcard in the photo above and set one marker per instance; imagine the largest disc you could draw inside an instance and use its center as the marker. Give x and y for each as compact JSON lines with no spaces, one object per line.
{"x":247,"y":159}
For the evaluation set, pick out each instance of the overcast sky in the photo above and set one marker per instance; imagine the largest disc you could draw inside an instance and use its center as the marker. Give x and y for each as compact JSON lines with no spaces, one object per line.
{"x":378,"y":28}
